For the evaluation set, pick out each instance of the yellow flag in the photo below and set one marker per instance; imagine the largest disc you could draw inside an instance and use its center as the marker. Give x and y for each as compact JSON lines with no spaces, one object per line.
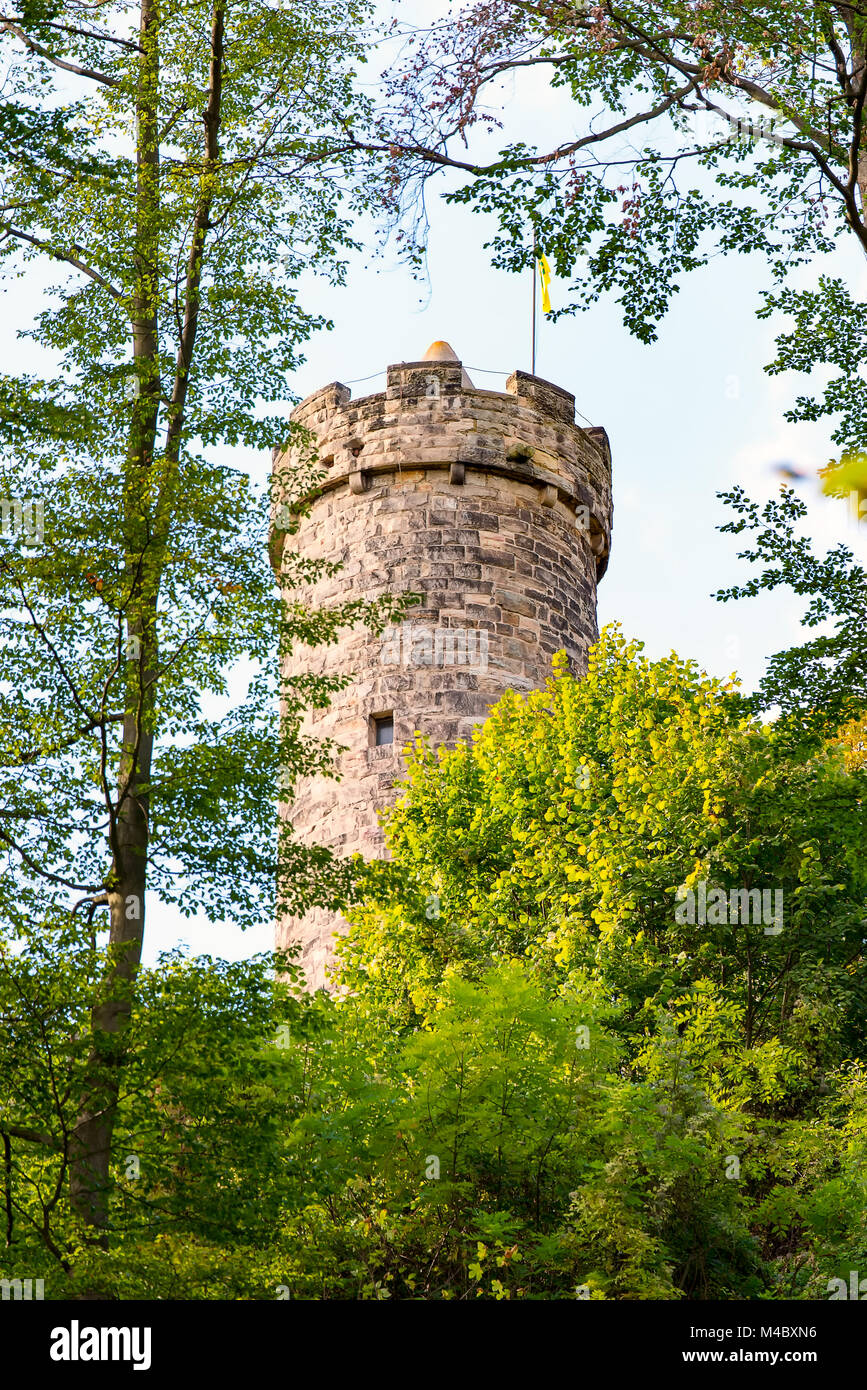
{"x":545,"y":277}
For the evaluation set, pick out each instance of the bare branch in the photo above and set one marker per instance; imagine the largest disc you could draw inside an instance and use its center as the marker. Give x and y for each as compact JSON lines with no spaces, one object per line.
{"x":594,"y":138}
{"x":67,"y":256}
{"x":93,"y":34}
{"x":46,"y":873}
{"x":6,"y":25}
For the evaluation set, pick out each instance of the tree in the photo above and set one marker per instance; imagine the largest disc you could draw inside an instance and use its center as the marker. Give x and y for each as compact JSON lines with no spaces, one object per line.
{"x":647,"y":69}
{"x":133,"y":572}
{"x":753,"y":129}
{"x":42,"y":138}
{"x":636,"y":842}
{"x":574,"y":829}
{"x":197,"y":1166}
{"x":822,"y":685}
{"x":492,"y":1153}
{"x":549,"y":1072}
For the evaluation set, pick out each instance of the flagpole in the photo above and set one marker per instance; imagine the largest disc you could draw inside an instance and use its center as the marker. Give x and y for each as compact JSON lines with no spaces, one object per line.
{"x":533,"y":367}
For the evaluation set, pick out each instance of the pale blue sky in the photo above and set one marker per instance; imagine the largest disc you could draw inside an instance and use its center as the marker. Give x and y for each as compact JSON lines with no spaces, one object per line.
{"x":686,"y":417}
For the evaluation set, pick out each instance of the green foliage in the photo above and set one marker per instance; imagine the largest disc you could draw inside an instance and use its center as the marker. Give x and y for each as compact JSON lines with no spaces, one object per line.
{"x":199,"y":1112}
{"x":689,"y":131}
{"x":539,"y":1076}
{"x":159,"y":365}
{"x":822,"y":684}
{"x":195,"y":172}
{"x":537,"y":1079}
{"x":827,"y":328}
{"x":493,"y":1156}
{"x":563,"y":836}
{"x":558,"y":846}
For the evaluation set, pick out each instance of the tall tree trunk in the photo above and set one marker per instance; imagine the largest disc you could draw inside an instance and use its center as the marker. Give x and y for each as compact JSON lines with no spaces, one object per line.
{"x":856,"y":27}
{"x":150,"y":491}
{"x":90,"y":1148}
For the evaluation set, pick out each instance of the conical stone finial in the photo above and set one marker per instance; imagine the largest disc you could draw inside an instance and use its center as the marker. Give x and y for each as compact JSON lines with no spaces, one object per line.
{"x":441,"y":351}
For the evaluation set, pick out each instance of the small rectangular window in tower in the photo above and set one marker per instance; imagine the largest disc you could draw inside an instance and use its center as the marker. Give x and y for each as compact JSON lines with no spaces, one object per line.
{"x":383,"y":729}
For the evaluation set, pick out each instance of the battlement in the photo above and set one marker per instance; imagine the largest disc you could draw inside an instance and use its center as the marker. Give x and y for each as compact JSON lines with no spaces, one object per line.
{"x":431,"y":417}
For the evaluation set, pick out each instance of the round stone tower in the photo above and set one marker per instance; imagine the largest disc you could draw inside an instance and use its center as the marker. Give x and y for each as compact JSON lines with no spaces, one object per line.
{"x":496,"y":508}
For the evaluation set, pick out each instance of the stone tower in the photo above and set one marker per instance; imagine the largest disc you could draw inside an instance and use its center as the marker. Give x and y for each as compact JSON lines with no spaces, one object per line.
{"x":496,"y":507}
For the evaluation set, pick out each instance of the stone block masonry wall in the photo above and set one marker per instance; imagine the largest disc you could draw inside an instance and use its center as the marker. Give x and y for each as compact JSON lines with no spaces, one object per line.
{"x":496,"y":508}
